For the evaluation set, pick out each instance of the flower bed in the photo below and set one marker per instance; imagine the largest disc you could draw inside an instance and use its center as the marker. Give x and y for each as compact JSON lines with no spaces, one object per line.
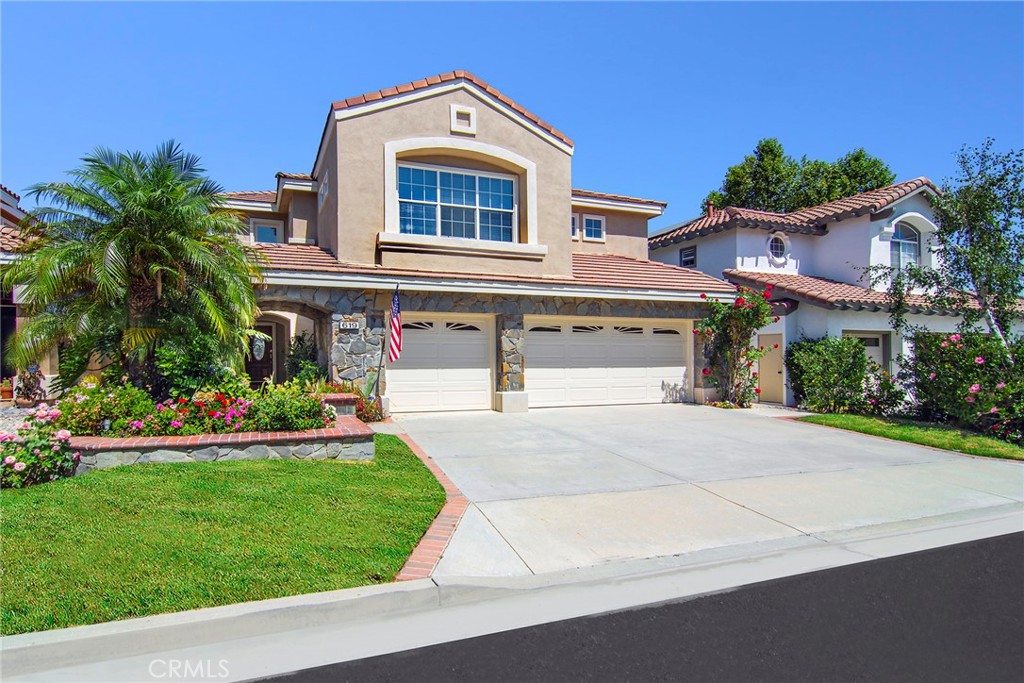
{"x":37,"y":452}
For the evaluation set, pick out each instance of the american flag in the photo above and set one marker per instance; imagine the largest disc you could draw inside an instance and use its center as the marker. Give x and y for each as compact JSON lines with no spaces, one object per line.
{"x":395,"y":338}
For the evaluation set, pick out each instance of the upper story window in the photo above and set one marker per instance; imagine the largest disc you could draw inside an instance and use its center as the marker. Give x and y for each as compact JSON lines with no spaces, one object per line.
{"x":778,"y":249}
{"x":905,"y":248}
{"x":688,"y":257}
{"x":575,"y":226}
{"x":593,"y":228}
{"x":434,"y":200}
{"x":321,"y":193}
{"x":265,"y":230}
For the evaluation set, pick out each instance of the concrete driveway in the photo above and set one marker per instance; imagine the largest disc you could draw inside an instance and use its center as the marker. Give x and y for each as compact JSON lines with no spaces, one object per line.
{"x":562,"y":488}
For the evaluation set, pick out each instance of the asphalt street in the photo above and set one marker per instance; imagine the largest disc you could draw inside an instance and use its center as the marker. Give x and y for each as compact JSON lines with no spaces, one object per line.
{"x":948,"y":614}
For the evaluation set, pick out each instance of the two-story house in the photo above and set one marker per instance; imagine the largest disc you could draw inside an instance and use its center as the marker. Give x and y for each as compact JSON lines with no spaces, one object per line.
{"x":816,"y":260}
{"x":517,"y":290}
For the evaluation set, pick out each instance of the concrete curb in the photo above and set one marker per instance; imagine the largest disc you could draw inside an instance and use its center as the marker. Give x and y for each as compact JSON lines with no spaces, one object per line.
{"x":287,"y":634}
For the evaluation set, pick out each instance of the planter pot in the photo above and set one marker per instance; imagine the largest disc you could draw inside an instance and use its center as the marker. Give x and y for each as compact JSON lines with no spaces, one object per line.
{"x":24,"y":402}
{"x":6,"y":393}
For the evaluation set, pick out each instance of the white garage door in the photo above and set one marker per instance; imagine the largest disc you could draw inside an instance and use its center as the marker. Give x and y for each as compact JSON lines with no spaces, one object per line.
{"x":445,"y":365}
{"x":577,"y":362}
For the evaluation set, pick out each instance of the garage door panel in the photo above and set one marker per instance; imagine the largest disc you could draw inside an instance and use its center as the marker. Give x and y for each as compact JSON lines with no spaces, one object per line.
{"x":445,"y":367}
{"x":623,"y":362}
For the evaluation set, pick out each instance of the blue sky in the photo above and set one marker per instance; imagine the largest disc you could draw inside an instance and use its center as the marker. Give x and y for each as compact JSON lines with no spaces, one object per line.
{"x":659,"y":98}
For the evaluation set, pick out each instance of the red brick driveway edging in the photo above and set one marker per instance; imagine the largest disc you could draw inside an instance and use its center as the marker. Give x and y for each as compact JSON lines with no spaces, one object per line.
{"x":427,"y":553}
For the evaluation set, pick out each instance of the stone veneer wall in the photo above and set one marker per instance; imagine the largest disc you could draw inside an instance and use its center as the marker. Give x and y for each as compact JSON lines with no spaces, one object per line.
{"x":349,"y":439}
{"x":355,"y":353}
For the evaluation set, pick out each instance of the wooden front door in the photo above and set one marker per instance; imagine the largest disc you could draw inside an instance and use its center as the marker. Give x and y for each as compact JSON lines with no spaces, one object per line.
{"x":770,"y":377}
{"x":260,"y":364}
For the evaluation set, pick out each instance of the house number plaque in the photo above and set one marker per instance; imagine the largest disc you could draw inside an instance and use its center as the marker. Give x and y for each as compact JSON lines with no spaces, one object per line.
{"x":349,"y":325}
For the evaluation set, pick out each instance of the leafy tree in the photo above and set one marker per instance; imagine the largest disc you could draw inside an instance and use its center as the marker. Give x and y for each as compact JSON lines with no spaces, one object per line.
{"x":134,"y":252}
{"x":978,"y":246}
{"x":769,"y":180}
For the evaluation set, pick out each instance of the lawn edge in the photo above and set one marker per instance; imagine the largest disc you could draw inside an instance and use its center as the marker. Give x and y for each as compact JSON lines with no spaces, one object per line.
{"x":432,"y":544}
{"x":801,"y":420}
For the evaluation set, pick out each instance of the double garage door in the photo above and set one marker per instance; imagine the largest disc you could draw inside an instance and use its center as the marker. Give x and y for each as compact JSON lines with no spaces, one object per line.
{"x":447,"y":363}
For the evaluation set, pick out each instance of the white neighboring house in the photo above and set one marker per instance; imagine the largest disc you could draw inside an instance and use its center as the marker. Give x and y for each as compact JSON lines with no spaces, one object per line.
{"x":814,"y":260}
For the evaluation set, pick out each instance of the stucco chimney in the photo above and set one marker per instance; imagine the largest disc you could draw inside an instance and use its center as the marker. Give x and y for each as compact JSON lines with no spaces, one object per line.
{"x":711,"y":207}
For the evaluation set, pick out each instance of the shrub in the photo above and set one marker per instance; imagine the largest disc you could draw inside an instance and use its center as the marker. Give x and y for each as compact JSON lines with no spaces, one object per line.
{"x":301,"y":362}
{"x":726,"y":333}
{"x":369,"y":409}
{"x":828,"y":375}
{"x":288,"y":407}
{"x":184,"y":367}
{"x":102,"y":409}
{"x":967,"y":379}
{"x":883,"y":393}
{"x":39,"y":452}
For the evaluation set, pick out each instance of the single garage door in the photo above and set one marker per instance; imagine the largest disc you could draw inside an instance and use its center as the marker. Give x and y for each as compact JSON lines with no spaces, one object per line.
{"x":445,"y":365}
{"x":579,"y":362}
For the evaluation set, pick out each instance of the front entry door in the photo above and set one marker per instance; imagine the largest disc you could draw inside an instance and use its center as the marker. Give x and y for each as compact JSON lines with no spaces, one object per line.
{"x":769,"y":376}
{"x":260,"y":364}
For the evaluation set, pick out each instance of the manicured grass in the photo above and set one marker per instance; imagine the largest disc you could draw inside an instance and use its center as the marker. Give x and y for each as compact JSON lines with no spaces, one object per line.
{"x":146,"y":539}
{"x":924,"y":433}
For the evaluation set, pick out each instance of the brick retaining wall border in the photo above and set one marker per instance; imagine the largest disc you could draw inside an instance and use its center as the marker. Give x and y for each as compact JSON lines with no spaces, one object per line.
{"x":349,"y":439}
{"x":431,"y":547}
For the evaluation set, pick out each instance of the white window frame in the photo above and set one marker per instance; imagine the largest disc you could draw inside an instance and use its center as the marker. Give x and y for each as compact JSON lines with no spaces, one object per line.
{"x":894,"y":240}
{"x":692,"y":248}
{"x":464,"y":171}
{"x":583,"y":228}
{"x":323,"y":190}
{"x":456,"y":125}
{"x":268,"y":222}
{"x":575,"y":222}
{"x":778,"y":260}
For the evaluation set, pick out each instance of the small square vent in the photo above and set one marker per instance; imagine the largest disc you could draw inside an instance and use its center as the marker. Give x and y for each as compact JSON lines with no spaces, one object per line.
{"x":463,"y":119}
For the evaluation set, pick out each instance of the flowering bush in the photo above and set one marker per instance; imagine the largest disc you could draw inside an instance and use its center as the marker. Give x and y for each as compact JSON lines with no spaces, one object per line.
{"x":967,"y":378}
{"x":883,"y":393}
{"x":726,"y":333}
{"x":38,"y":452}
{"x":368,"y":407}
{"x":124,"y":410}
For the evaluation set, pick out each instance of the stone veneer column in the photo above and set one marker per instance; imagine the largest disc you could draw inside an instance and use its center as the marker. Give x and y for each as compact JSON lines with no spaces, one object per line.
{"x":511,"y":396}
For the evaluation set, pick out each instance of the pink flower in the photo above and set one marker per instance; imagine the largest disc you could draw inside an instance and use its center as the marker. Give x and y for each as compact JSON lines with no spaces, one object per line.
{"x":975,"y":388}
{"x":979,"y":360}
{"x":55,"y":447}
{"x":62,"y":435}
{"x":175,"y":423}
{"x":19,"y":466}
{"x":76,"y":455}
{"x":944,"y":344}
{"x":994,"y":410}
{"x":24,"y":425}
{"x":136,"y":424}
{"x":931,"y":376}
{"x":35,"y":451}
{"x":969,"y":399}
{"x":4,"y":436}
{"x":954,"y":337}
{"x":1000,"y":385}
{"x":10,"y":460}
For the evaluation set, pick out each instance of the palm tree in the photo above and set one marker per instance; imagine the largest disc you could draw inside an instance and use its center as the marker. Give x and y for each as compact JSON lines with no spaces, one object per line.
{"x":135,"y":251}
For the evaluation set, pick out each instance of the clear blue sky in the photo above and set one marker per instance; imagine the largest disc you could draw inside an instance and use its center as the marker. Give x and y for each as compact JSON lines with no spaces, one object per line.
{"x":659,"y":98}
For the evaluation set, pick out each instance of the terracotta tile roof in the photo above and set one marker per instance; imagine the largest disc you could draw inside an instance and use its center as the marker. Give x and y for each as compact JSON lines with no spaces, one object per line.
{"x":253,"y":196}
{"x":590,"y":194}
{"x":17,"y":197}
{"x":819,"y":290}
{"x":811,"y":220}
{"x":588,"y":270}
{"x":10,"y":237}
{"x":457,"y":75}
{"x":612,"y":270}
{"x":294,"y":176}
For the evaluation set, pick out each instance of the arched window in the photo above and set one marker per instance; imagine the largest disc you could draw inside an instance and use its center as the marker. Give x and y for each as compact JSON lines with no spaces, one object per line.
{"x":906,"y":246}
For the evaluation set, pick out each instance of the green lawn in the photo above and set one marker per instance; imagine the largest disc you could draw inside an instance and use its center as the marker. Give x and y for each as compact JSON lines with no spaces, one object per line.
{"x":924,"y":433}
{"x":146,"y":539}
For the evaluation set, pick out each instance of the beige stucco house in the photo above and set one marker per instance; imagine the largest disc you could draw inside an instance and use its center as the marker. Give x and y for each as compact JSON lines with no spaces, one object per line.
{"x":517,"y":290}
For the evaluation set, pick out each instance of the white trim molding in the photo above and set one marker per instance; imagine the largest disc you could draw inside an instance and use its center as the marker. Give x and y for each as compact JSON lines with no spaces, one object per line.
{"x":918,"y":221}
{"x":459,"y":245}
{"x":275,"y":223}
{"x":459,"y":111}
{"x":615,"y":205}
{"x":604,"y":228}
{"x":772,"y":258}
{"x":446,"y":144}
{"x":247,"y":205}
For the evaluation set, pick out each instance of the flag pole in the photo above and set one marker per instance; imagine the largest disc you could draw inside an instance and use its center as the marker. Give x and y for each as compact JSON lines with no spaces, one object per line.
{"x":383,"y":348}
